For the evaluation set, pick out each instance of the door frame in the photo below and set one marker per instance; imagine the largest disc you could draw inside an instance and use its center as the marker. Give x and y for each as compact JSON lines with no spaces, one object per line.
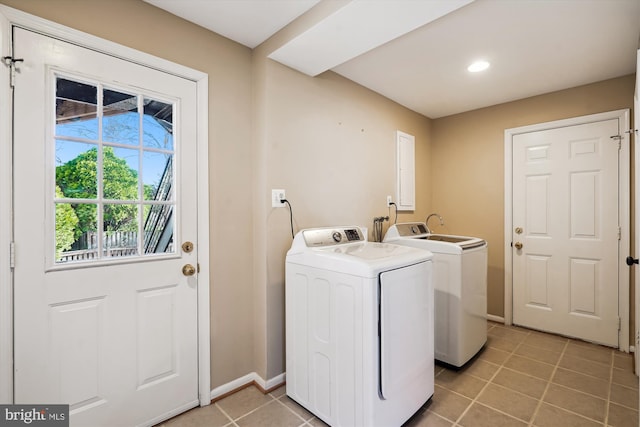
{"x":624,"y":207}
{"x":10,"y":17}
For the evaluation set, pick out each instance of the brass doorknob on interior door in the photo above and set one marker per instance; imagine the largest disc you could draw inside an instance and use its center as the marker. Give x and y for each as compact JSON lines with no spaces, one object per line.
{"x":188,"y":270}
{"x":518,"y":245}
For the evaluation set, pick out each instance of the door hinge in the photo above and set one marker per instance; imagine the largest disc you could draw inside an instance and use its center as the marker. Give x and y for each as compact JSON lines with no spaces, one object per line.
{"x":619,"y":233}
{"x":619,"y":323}
{"x":12,"y":255}
{"x":10,"y":62}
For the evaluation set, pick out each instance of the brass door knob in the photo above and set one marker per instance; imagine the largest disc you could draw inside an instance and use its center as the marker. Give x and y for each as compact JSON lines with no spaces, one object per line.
{"x":518,"y":245}
{"x":188,"y":270}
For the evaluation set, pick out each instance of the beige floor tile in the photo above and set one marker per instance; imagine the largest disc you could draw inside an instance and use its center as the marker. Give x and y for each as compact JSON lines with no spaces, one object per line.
{"x":508,"y":401}
{"x":517,"y":381}
{"x":448,"y":404}
{"x":463,"y":384}
{"x":296,"y":407}
{"x":624,"y":396}
{"x":243,"y":401}
{"x":501,"y":343}
{"x":427,"y":419}
{"x":538,"y":353}
{"x":578,"y":364}
{"x":493,"y":355}
{"x":280,"y":391}
{"x":577,"y":402}
{"x":546,"y":341}
{"x":271,"y":414}
{"x":625,"y":378}
{"x":481,"y":416}
{"x":480,"y":369}
{"x":619,"y":416}
{"x":315,"y":422}
{"x":551,"y":416}
{"x":511,"y":334}
{"x":530,"y":367}
{"x":581,"y":382}
{"x":508,"y":378}
{"x":623,"y":361}
{"x":592,"y":352}
{"x":207,"y":415}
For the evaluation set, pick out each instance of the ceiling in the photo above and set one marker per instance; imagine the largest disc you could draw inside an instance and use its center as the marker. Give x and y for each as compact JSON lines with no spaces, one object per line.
{"x":416,"y":52}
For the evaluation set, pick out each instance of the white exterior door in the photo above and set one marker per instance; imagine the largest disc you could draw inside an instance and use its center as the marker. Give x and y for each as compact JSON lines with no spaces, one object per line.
{"x":566,"y":231}
{"x":104,"y":197}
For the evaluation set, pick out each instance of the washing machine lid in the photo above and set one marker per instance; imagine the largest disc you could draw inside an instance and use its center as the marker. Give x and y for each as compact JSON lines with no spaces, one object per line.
{"x":416,"y":234}
{"x":332,"y":249}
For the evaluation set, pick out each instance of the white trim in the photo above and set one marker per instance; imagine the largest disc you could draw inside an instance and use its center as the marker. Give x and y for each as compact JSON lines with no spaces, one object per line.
{"x":9,"y":17}
{"x":405,"y":171}
{"x":273,"y":382}
{"x":6,"y":276}
{"x":623,"y":209}
{"x":241,"y":382}
{"x":233,"y":385}
{"x":494,"y":318}
{"x":204,"y":316}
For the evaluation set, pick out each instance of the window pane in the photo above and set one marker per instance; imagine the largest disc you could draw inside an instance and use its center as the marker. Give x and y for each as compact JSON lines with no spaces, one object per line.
{"x":120,"y":217}
{"x":157,"y":176}
{"x":76,"y":109}
{"x":76,"y":169}
{"x":120,"y":230}
{"x":158,"y":124}
{"x":120,"y":121}
{"x":76,"y":237}
{"x":120,"y":173}
{"x":158,"y":229}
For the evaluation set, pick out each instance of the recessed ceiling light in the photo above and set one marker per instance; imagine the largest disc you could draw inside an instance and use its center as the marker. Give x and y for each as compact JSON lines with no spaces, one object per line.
{"x":478,"y":66}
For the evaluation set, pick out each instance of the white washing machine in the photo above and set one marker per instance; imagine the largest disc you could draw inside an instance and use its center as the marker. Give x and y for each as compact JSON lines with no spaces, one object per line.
{"x":359,"y":328}
{"x":460,"y":286}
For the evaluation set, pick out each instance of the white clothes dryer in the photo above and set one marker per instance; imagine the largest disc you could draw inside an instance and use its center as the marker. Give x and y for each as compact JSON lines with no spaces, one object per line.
{"x":359,"y":328}
{"x":460,"y":286}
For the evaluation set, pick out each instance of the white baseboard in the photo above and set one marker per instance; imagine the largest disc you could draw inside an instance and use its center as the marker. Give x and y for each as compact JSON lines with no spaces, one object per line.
{"x":273,"y":382}
{"x":245,"y":380}
{"x":494,"y":318}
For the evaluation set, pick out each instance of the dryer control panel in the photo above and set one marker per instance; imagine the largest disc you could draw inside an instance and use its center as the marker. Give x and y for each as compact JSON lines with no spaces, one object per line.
{"x":319,"y":237}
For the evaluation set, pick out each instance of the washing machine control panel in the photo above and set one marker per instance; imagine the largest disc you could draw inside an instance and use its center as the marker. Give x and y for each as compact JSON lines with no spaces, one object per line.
{"x":411,"y":229}
{"x":319,"y":237}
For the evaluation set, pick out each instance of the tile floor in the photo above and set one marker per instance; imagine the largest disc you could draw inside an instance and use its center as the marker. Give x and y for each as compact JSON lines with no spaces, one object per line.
{"x":521,"y":378}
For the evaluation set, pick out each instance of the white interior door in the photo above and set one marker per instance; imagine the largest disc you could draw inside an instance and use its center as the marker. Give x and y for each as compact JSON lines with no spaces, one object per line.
{"x":566,"y":231}
{"x":105,"y":195}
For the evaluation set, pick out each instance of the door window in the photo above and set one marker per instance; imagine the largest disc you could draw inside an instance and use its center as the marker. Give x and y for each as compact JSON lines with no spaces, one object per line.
{"x":114,"y":178}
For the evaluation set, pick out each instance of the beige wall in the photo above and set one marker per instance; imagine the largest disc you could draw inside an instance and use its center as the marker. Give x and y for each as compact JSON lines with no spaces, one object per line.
{"x":331,"y":145}
{"x":467,"y":162}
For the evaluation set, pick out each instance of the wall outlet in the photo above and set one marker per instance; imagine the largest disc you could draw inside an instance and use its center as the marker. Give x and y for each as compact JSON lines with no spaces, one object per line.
{"x":277,"y":197}
{"x":389,"y":201}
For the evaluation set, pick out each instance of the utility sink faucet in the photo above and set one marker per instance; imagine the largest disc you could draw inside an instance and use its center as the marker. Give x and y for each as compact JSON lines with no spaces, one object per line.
{"x":429,"y":217}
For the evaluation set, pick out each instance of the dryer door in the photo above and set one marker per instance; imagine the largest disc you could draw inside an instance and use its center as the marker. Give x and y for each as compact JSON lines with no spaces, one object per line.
{"x":406,"y":329}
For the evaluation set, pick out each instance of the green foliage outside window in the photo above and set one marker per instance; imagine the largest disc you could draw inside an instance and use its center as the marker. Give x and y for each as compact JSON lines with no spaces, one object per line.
{"x":66,"y":222}
{"x":78,"y":179}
